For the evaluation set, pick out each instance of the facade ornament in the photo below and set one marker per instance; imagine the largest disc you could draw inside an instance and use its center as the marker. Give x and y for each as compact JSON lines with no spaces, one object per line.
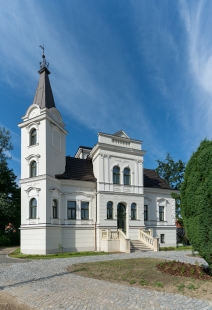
{"x":44,"y":63}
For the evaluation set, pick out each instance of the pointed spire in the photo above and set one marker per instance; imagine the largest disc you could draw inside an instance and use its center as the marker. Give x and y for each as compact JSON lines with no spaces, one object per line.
{"x":44,"y":96}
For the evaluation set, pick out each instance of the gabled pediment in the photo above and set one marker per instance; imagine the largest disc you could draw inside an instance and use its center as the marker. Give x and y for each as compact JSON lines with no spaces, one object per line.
{"x":121,"y":134}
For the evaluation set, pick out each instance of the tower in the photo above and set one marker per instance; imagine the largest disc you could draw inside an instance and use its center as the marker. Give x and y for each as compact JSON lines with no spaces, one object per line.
{"x":43,"y":146}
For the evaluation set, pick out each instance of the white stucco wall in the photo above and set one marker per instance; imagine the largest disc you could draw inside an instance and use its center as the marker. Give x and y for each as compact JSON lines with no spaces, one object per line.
{"x":44,"y":234}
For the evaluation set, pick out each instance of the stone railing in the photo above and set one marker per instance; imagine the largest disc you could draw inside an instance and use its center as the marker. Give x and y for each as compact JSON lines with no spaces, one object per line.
{"x":114,"y":235}
{"x":114,"y":240}
{"x":148,"y":240}
{"x":124,"y":242}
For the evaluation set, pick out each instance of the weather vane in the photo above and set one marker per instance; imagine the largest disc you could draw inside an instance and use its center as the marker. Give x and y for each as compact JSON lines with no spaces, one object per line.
{"x":42,"y":48}
{"x":44,"y":63}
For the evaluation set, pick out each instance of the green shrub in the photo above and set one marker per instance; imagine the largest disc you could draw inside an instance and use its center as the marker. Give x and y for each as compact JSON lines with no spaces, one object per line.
{"x":196,"y":200}
{"x":10,"y":238}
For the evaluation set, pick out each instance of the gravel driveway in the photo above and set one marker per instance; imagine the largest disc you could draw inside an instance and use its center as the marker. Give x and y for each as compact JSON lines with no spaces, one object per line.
{"x":45,"y":284}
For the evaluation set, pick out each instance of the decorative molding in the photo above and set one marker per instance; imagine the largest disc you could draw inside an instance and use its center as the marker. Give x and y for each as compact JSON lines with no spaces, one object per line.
{"x":160,"y":200}
{"x":82,"y":193}
{"x":33,"y":124}
{"x":56,"y":190}
{"x":147,"y":198}
{"x":32,"y":188}
{"x":28,"y":158}
{"x":120,"y":141}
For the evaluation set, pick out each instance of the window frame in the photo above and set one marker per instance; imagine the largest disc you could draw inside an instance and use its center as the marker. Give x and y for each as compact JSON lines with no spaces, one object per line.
{"x":162,"y":238}
{"x":133,"y":211}
{"x":54,"y":207}
{"x":116,"y":175}
{"x":71,"y":208}
{"x":32,"y":208}
{"x":161,"y":213}
{"x":146,"y":213}
{"x":83,"y":210}
{"x":109,"y":210}
{"x":32,"y":137}
{"x":126,"y":176}
{"x":33,"y":169}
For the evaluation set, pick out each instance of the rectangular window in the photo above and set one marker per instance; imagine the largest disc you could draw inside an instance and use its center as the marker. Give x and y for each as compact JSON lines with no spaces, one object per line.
{"x":161,"y":213}
{"x":84,"y":210}
{"x":145,"y":213}
{"x":54,"y":212}
{"x":109,"y":210}
{"x":133,"y":211}
{"x":162,"y":238}
{"x":71,"y":210}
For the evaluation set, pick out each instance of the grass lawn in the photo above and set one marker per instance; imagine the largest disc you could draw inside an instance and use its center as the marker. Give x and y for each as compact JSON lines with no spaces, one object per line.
{"x":18,"y":254}
{"x":180,"y":248}
{"x":142,"y":272}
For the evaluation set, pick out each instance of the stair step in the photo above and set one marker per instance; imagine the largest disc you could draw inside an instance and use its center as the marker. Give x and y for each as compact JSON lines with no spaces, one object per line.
{"x":138,"y":246}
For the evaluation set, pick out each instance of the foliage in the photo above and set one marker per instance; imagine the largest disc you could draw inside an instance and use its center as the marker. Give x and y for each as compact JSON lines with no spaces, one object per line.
{"x":172,"y":172}
{"x":5,"y":144}
{"x":197,"y":200}
{"x":9,"y":193}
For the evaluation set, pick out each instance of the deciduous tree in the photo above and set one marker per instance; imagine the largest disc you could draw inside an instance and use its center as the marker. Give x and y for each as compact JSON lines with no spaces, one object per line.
{"x":172,"y":172}
{"x":9,"y":191}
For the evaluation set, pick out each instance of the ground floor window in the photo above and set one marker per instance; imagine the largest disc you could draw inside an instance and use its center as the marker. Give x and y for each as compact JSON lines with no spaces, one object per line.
{"x":109,"y":210}
{"x":162,"y":238}
{"x":84,"y":210}
{"x":161,"y":213}
{"x":133,"y":211}
{"x":71,"y":210}
{"x":145,"y":212}
{"x":54,"y":209}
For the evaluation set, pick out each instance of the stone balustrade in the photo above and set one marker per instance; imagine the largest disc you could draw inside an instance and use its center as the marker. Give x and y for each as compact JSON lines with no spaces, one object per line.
{"x":114,"y":241}
{"x":148,"y":240}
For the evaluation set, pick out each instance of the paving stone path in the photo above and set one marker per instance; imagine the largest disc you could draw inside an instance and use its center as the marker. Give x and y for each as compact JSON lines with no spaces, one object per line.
{"x":45,"y":284}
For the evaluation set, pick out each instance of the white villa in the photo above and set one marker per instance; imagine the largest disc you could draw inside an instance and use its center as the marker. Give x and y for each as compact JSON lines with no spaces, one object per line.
{"x":101,"y":199}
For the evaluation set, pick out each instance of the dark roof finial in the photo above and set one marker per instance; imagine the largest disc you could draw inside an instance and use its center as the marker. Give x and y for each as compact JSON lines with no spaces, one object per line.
{"x":44,"y":63}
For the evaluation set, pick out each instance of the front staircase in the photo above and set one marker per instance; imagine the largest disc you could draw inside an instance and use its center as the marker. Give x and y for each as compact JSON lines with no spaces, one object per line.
{"x":138,"y":246}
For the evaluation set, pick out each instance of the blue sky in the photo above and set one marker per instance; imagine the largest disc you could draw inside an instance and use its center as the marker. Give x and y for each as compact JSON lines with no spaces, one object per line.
{"x":143,"y":66}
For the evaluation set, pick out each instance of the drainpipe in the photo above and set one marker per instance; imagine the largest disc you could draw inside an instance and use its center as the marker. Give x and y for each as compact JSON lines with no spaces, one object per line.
{"x":96,"y":221}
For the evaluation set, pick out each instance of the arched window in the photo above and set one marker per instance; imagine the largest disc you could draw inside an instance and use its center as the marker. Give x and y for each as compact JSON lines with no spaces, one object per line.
{"x":116,"y":175}
{"x":33,"y":169}
{"x":54,"y":209}
{"x":126,"y":176}
{"x":33,"y":208}
{"x":33,"y":137}
{"x":109,"y":210}
{"x":133,"y":211}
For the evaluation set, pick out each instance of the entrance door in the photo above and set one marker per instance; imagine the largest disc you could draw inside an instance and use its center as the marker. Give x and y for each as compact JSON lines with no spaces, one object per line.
{"x":121,"y":217}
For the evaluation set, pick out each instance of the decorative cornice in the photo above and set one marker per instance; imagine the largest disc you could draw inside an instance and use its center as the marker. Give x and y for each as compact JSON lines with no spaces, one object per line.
{"x":28,"y":158}
{"x":32,"y":188}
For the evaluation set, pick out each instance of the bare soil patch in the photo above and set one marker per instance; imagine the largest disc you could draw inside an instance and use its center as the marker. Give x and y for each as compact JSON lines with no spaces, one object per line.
{"x":8,"y":302}
{"x":144,"y":273}
{"x":186,"y":270}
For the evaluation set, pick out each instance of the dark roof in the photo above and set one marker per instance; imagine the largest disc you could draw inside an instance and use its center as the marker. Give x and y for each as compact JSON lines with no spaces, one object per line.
{"x":82,"y":169}
{"x":85,"y":147}
{"x":152,"y":179}
{"x":78,"y":169}
{"x":43,"y":95}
